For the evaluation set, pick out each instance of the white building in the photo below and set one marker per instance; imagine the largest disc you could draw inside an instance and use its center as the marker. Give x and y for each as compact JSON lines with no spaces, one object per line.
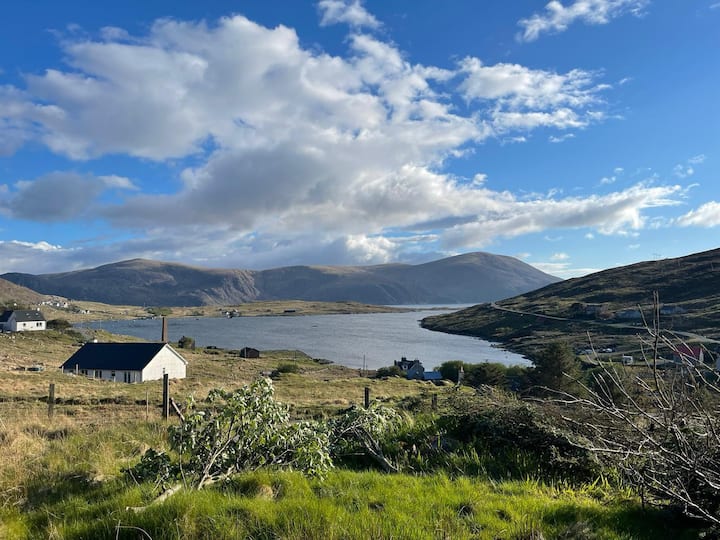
{"x":22,"y":320}
{"x":127,"y":362}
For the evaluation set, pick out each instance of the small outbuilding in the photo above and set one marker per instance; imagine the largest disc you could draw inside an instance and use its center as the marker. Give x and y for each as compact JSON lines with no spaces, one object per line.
{"x":249,"y":352}
{"x":127,"y":362}
{"x":22,"y":320}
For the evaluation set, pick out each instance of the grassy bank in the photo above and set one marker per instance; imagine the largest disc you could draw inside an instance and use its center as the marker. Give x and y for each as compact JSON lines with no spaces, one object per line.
{"x":65,"y":483}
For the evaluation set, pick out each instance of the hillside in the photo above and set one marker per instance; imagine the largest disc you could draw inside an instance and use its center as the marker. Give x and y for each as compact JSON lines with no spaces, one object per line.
{"x":608,"y":304}
{"x":470,"y":278}
{"x":12,"y":294}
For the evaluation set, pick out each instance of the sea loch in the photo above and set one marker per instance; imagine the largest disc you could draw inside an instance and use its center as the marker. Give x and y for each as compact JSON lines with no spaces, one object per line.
{"x":371,"y":340}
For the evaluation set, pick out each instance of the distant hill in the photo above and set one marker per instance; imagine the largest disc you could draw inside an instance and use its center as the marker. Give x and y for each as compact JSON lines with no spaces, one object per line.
{"x":604,"y":303}
{"x":470,"y":278}
{"x":11,"y":294}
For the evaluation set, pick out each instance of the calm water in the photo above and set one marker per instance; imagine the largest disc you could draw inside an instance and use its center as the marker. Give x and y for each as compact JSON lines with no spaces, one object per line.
{"x":345,"y":339}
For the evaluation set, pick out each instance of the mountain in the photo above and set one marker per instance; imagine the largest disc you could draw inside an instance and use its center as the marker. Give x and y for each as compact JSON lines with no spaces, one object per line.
{"x":12,"y":294}
{"x":604,"y":304}
{"x":474,"y":277}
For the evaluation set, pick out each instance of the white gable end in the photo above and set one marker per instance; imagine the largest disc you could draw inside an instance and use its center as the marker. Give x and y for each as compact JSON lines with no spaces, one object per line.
{"x":165,"y":361}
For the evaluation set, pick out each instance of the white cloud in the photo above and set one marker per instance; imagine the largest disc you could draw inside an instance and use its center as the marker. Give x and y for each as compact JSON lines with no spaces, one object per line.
{"x":697,"y":160}
{"x":683,"y":171}
{"x":559,"y":257}
{"x":707,"y":215}
{"x":346,"y":11}
{"x":558,"y":17}
{"x":520,"y":98}
{"x":296,"y":156}
{"x":563,"y":269}
{"x":57,"y":196}
{"x":561,"y":138}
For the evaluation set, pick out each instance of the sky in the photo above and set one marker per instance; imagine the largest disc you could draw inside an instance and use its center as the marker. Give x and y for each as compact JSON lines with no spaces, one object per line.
{"x":575,"y":135}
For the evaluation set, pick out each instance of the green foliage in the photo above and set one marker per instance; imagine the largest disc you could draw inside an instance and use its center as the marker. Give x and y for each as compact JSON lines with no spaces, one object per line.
{"x":501,"y":433}
{"x":239,"y":431}
{"x":555,"y":368}
{"x":389,"y":371}
{"x":348,"y":505}
{"x":59,"y":324}
{"x":450,"y":370}
{"x":364,"y":432}
{"x":186,"y":342}
{"x":486,"y":373}
{"x":288,"y":367}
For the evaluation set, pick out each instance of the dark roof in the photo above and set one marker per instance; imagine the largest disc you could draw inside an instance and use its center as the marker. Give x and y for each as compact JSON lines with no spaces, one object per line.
{"x":22,"y":315}
{"x":120,"y":356}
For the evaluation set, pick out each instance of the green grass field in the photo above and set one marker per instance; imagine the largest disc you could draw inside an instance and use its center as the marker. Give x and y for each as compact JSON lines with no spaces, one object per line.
{"x":62,"y":478}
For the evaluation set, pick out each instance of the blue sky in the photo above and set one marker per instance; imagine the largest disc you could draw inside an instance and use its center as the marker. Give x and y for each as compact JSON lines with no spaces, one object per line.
{"x":576,"y":135}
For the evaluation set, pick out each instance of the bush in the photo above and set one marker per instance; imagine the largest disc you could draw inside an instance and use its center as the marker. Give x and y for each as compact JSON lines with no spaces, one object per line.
{"x":186,"y":343}
{"x":389,"y":371}
{"x":288,"y":367}
{"x":59,"y":324}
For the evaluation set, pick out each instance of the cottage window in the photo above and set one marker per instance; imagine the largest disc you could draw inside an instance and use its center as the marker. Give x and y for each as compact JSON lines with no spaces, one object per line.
{"x":84,"y":372}
{"x":98,"y":374}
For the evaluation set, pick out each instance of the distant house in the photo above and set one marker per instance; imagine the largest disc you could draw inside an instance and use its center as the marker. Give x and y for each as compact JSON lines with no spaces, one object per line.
{"x":693,"y":354}
{"x":249,"y":352}
{"x":127,"y":362}
{"x":414,"y":369}
{"x":22,"y":320}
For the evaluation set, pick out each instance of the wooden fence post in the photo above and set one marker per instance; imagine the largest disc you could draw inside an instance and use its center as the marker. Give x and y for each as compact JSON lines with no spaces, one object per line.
{"x":367,"y":397}
{"x":51,"y":400}
{"x":166,"y":396}
{"x":434,"y":402}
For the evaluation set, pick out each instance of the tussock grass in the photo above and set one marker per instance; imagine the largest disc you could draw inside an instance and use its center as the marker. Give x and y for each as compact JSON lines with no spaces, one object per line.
{"x":345,"y":505}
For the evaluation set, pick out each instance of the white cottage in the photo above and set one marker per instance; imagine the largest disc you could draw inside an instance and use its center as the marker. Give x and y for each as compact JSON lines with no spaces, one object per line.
{"x":22,"y":320}
{"x":127,"y":362}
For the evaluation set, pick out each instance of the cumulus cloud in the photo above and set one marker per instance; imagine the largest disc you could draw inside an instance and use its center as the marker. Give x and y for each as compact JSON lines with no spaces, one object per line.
{"x":525,"y":99}
{"x":346,"y":11}
{"x":57,"y":196}
{"x":294,"y":156}
{"x":707,"y":215}
{"x":558,"y":17}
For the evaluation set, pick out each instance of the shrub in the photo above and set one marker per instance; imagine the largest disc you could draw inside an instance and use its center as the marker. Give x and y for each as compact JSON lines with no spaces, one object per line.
{"x":186,"y":343}
{"x":59,"y":324}
{"x":389,"y":371}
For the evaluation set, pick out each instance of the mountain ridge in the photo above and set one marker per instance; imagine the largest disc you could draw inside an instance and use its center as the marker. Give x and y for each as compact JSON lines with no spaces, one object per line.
{"x":612,"y":305}
{"x":468,"y":278}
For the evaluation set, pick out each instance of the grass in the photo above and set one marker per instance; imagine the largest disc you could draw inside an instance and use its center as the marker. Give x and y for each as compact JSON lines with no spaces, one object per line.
{"x":61,"y":477}
{"x":345,"y":504}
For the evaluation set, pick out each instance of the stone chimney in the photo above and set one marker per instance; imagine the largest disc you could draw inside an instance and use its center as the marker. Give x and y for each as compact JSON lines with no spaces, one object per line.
{"x":164,"y":337}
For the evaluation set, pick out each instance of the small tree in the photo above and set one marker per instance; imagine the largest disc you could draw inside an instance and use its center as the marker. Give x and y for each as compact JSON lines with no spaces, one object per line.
{"x":238,"y":431}
{"x":555,"y":368}
{"x":59,"y":324}
{"x":450,"y":370}
{"x":186,"y":343}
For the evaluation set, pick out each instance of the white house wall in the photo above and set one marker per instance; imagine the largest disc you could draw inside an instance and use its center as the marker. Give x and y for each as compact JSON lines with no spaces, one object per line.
{"x":26,"y":326}
{"x":165,"y":361}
